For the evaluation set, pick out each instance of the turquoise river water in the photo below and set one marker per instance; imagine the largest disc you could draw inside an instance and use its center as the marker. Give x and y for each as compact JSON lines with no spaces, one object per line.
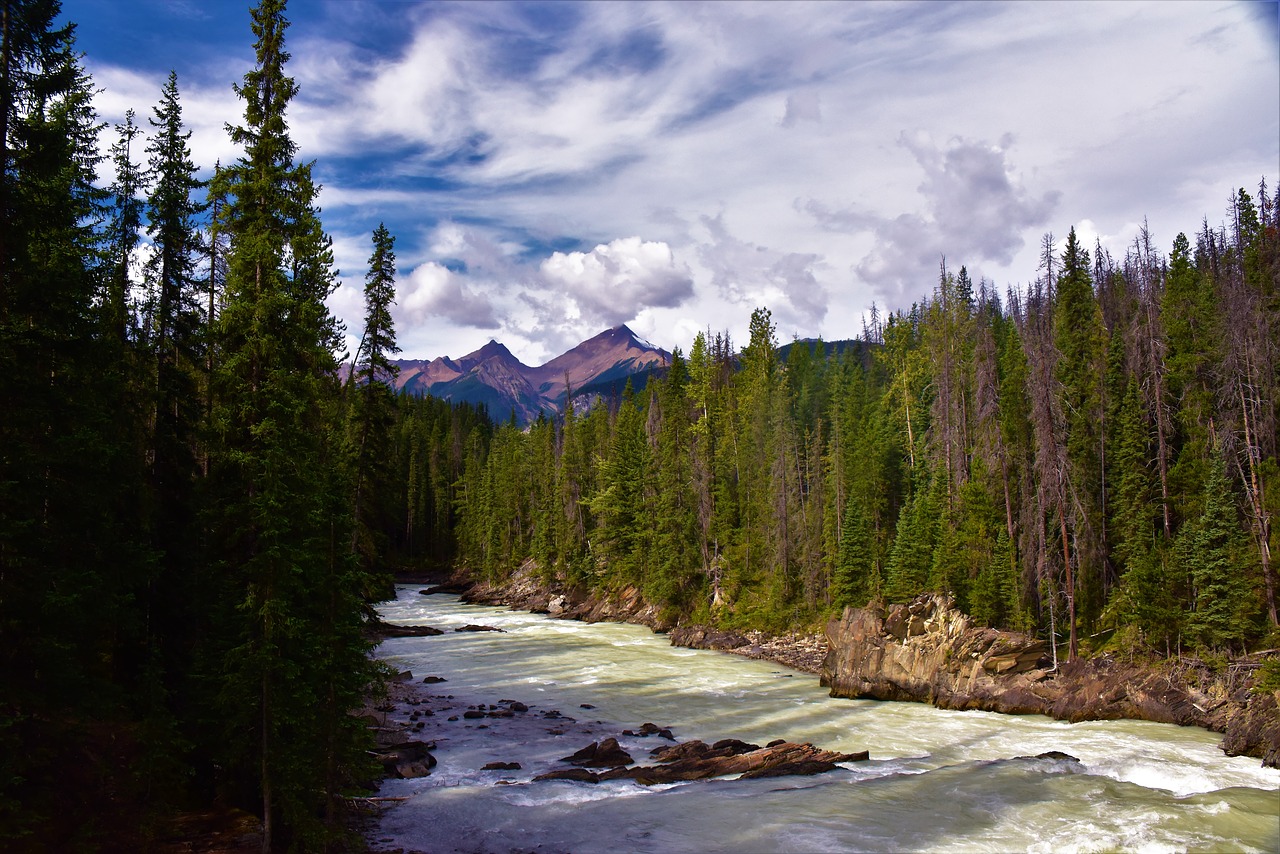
{"x":937,"y":780}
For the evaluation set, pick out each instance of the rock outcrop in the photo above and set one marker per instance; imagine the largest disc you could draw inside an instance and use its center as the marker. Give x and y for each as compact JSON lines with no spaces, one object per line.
{"x":395,"y":630}
{"x":797,"y":651}
{"x":697,"y":760}
{"x":603,"y":754}
{"x":407,"y":759}
{"x":928,"y":651}
{"x":526,"y":591}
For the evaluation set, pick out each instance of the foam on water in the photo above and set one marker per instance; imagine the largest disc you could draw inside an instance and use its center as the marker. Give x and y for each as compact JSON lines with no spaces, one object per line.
{"x":938,"y":780}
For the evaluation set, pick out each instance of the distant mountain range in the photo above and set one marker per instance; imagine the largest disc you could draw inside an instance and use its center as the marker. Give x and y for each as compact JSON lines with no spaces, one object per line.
{"x":492,"y":376}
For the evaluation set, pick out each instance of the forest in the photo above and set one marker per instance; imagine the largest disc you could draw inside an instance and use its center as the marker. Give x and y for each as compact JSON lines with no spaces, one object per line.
{"x":1091,"y":458}
{"x":198,"y":506}
{"x":185,"y":483}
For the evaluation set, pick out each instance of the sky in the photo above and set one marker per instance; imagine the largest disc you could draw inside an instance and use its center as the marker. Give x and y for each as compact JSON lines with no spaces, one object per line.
{"x":554,"y":169}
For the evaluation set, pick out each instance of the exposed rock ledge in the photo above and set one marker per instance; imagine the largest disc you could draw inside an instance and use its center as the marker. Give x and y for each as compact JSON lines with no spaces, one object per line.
{"x":526,"y":591}
{"x":927,"y":651}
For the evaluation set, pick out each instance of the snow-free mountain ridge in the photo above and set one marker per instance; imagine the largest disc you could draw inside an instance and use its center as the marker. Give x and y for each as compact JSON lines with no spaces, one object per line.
{"x":494,"y":377}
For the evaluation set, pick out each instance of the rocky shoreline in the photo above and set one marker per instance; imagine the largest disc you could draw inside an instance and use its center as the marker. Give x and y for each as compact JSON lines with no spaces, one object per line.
{"x":927,"y":651}
{"x":418,"y":717}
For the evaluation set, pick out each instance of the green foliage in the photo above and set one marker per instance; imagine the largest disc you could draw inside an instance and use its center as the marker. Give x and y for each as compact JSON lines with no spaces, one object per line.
{"x":1210,"y":551}
{"x":1032,"y":462}
{"x":912,"y":557}
{"x":1268,"y":678}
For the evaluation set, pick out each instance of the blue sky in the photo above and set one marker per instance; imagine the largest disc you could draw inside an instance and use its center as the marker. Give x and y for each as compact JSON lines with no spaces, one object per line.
{"x":554,"y":169}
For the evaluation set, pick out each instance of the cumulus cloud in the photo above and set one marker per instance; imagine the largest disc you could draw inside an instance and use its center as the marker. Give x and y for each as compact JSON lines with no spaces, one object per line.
{"x":433,"y":291}
{"x":614,"y":282}
{"x":486,"y":135}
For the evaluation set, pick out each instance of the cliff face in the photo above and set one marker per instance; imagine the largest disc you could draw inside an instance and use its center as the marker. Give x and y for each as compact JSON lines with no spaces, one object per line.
{"x":927,"y":651}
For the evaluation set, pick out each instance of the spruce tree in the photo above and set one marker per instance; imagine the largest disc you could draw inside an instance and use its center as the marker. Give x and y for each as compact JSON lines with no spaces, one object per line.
{"x":373,"y":404}
{"x":291,"y":644}
{"x":675,"y":555}
{"x":70,"y":554}
{"x":174,"y":378}
{"x":1078,"y":335}
{"x":1224,"y":603}
{"x":123,"y":227}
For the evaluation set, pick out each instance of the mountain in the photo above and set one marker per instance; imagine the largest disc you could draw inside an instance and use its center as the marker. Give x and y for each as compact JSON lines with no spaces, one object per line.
{"x":494,"y":377}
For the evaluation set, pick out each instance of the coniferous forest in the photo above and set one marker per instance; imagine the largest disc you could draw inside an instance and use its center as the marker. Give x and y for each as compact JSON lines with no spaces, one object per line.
{"x":1093,"y":456}
{"x":198,"y":507}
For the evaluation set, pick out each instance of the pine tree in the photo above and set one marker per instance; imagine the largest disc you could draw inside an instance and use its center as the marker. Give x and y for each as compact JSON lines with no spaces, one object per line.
{"x":917,"y":536}
{"x":1209,"y":549}
{"x":619,"y":504}
{"x":123,"y":227}
{"x":674,"y":577}
{"x":373,"y":405}
{"x":1078,"y":338}
{"x":294,"y":656}
{"x":69,"y":549}
{"x":1188,"y":312}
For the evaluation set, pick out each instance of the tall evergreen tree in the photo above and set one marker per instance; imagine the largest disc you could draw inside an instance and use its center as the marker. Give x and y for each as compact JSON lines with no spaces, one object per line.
{"x":69,"y":551}
{"x":1079,"y":338}
{"x":291,"y":641}
{"x":1209,"y":550}
{"x":175,"y":380}
{"x":373,"y":406}
{"x":123,"y":227}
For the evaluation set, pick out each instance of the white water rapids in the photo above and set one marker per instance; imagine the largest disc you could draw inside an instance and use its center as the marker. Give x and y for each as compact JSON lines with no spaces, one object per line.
{"x":937,"y":780}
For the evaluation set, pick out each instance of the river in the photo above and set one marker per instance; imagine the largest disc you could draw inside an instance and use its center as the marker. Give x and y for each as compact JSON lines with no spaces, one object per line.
{"x":937,"y":780}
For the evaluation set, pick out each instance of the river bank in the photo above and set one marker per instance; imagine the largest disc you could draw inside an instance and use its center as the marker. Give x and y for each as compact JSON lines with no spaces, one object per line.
{"x":927,"y":651}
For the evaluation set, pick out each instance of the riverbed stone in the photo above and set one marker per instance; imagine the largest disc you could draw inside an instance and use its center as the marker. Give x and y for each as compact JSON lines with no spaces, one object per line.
{"x":579,"y":775}
{"x":696,"y":760}
{"x":604,"y":754}
{"x":408,"y":760}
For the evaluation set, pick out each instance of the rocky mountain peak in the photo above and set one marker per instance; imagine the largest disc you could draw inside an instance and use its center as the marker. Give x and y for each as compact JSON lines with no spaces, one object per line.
{"x":493,"y":376}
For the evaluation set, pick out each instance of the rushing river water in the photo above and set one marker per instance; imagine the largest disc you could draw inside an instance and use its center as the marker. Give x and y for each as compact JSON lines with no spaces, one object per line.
{"x":937,"y":780}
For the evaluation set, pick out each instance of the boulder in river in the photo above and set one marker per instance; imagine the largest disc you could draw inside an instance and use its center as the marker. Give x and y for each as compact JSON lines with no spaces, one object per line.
{"x":578,"y":775}
{"x":407,"y":760}
{"x":395,"y":630}
{"x":472,"y":627}
{"x":604,"y":754}
{"x":696,"y":760}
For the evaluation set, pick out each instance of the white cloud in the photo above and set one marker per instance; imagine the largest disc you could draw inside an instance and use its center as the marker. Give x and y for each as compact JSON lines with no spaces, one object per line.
{"x":614,"y":282}
{"x":433,"y":292}
{"x":752,"y":275}
{"x":205,"y":111}
{"x":808,"y":157}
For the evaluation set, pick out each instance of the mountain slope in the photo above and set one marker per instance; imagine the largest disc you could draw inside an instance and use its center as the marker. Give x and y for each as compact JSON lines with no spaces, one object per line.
{"x":492,"y":376}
